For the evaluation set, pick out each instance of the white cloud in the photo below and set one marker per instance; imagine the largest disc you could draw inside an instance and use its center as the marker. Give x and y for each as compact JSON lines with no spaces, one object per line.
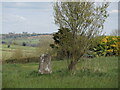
{"x":114,"y":11}
{"x":15,"y":5}
{"x":21,"y":4}
{"x":20,"y":18}
{"x":13,"y":18}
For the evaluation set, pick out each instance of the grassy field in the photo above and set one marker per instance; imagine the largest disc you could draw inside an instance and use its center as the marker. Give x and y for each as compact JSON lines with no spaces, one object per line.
{"x":9,"y":52}
{"x":91,"y":73}
{"x":26,"y":51}
{"x":43,"y":42}
{"x":30,"y":40}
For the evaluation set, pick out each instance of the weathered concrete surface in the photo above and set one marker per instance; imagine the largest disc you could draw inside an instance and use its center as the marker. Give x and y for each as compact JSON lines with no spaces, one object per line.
{"x":45,"y":64}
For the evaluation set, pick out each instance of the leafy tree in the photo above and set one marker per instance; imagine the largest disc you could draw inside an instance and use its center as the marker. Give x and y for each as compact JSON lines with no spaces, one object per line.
{"x":115,"y":32}
{"x":62,"y":40}
{"x":79,"y":23}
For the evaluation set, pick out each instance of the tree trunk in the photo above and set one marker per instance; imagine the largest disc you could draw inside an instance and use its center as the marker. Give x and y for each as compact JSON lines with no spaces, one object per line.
{"x":72,"y":66}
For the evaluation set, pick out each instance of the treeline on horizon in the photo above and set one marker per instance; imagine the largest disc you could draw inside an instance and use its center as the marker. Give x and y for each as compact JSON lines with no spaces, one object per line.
{"x":23,"y":34}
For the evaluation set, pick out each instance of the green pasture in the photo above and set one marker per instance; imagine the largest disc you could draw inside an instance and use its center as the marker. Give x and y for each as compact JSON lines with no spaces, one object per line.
{"x":43,"y":42}
{"x":25,"y":51}
{"x":90,"y":73}
{"x":30,"y":40}
{"x":99,"y":72}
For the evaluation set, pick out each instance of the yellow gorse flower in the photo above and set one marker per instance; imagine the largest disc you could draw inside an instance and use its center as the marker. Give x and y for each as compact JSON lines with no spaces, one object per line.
{"x":106,"y":37}
{"x":113,"y":45}
{"x":114,"y":39}
{"x":110,"y":50}
{"x":104,"y":40}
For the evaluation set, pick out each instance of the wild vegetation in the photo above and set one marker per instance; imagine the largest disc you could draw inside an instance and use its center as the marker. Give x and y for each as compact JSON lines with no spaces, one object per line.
{"x":107,"y":46}
{"x":23,"y":51}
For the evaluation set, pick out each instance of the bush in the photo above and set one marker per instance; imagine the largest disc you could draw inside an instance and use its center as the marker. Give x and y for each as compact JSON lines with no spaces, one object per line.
{"x":24,"y":44}
{"x":22,"y":60}
{"x":3,"y":42}
{"x":18,"y":53}
{"x":8,"y":46}
{"x":108,"y":46}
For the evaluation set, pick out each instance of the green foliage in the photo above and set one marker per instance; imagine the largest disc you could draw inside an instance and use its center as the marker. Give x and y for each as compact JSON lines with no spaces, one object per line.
{"x":79,"y":23}
{"x":17,"y":54}
{"x":8,"y":46}
{"x":24,"y":44}
{"x":62,"y":43}
{"x":115,"y":32}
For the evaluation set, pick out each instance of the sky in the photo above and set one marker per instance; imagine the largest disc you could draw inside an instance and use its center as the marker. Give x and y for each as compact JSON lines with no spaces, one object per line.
{"x":37,"y":17}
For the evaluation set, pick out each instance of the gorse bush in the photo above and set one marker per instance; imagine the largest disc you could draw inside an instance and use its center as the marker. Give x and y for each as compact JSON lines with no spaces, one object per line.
{"x":18,"y":53}
{"x":108,"y":46}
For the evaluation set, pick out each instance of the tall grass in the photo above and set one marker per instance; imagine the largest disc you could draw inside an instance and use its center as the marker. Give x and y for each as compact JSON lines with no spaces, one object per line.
{"x":91,"y":73}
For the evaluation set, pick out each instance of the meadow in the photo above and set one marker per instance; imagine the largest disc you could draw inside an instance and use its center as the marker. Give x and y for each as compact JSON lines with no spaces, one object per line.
{"x":99,"y":72}
{"x":91,"y":73}
{"x":17,"y":49}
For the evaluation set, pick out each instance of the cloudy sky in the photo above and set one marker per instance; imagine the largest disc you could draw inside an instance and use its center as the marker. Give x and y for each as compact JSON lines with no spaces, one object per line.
{"x":38,"y":17}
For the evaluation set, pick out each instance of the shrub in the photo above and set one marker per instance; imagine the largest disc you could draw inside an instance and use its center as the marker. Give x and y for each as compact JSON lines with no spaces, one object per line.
{"x":108,"y":46}
{"x":18,"y":53}
{"x":24,"y":44}
{"x":8,"y":46}
{"x":3,"y":42}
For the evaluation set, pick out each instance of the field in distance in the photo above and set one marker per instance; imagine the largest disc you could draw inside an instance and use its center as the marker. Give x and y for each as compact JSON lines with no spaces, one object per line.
{"x":34,"y":46}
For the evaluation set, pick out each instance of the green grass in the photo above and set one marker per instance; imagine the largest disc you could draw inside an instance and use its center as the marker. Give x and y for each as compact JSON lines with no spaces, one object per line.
{"x":7,"y":53}
{"x":26,"y":51}
{"x":43,"y":41}
{"x":30,"y":40}
{"x":91,"y":73}
{"x":0,"y":75}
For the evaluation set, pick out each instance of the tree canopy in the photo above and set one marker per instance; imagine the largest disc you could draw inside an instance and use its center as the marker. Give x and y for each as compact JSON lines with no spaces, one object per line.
{"x":79,"y":23}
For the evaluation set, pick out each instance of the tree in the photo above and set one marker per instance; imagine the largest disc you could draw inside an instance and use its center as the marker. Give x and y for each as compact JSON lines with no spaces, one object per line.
{"x":62,"y":40}
{"x":115,"y":32}
{"x":24,"y":44}
{"x":8,"y":46}
{"x":83,"y":21}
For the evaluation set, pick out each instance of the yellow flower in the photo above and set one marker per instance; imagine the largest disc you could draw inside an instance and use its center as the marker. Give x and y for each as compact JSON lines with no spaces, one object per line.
{"x":114,"y":39}
{"x":110,"y":50}
{"x":107,"y":37}
{"x":104,"y":40}
{"x":113,"y":45}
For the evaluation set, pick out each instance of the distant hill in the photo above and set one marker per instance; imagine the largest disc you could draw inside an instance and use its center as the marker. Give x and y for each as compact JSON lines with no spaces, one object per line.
{"x":33,"y":40}
{"x":13,"y":35}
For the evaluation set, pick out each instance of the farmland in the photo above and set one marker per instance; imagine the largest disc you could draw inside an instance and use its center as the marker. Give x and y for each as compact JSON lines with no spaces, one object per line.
{"x":42,"y":44}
